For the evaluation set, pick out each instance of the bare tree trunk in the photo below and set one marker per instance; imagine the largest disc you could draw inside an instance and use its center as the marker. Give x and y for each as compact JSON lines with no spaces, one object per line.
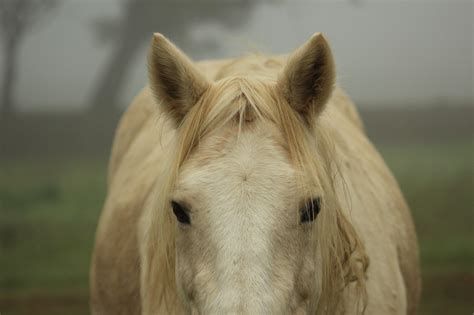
{"x":115,"y":74}
{"x":9,"y":76}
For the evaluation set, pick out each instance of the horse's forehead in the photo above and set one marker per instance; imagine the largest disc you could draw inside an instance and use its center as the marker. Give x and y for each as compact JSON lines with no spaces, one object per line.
{"x":250,"y":160}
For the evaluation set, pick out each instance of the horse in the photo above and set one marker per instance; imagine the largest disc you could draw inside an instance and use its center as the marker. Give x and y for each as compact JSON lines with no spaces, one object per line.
{"x":249,"y":186}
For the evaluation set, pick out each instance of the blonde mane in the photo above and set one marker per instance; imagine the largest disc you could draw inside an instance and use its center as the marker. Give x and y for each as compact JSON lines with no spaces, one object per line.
{"x":246,"y":100}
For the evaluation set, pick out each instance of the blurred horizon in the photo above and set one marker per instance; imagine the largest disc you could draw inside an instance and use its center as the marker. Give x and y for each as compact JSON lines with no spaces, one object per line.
{"x":388,"y":53}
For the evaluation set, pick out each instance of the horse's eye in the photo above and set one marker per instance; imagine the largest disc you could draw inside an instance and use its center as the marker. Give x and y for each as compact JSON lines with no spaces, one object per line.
{"x":180,"y":212}
{"x":310,"y":210}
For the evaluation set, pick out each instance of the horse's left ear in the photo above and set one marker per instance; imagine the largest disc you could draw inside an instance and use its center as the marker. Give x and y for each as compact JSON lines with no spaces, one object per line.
{"x":309,"y":76}
{"x":175,"y":81}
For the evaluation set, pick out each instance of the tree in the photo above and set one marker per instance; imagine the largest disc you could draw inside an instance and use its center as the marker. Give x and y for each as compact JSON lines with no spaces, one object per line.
{"x":139,"y":19}
{"x":16,"y":18}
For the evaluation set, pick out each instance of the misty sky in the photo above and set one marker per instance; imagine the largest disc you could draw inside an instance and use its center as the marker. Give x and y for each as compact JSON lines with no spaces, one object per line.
{"x":387,"y":52}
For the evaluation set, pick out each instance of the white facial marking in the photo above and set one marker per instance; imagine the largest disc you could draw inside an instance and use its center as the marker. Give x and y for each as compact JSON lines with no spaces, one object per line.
{"x":243,"y":206}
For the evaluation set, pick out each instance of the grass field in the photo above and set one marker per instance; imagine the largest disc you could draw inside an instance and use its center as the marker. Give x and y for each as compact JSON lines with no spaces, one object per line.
{"x":49,"y":210}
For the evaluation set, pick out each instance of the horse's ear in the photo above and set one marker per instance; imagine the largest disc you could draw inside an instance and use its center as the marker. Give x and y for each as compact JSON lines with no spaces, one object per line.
{"x":308,"y":78}
{"x":175,"y":81}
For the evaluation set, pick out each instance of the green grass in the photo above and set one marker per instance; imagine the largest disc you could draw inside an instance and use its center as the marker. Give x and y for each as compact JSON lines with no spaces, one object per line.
{"x":438,"y":184}
{"x":49,"y":211}
{"x":48,"y":215}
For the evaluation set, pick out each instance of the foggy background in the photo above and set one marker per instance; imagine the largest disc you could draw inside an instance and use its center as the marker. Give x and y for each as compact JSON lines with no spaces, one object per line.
{"x":417,"y":53}
{"x":69,"y":68}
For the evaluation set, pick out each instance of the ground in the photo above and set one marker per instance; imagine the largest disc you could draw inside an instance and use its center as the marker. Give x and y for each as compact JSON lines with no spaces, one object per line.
{"x":49,"y":210}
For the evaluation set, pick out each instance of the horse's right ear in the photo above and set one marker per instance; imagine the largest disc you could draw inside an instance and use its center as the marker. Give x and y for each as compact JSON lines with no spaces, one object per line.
{"x":176,"y":83}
